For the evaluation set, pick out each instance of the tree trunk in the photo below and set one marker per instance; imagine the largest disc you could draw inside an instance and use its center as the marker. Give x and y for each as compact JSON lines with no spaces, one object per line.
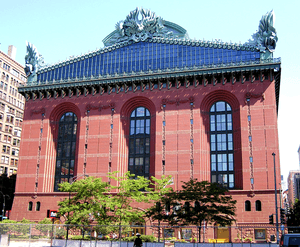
{"x":199,"y":233}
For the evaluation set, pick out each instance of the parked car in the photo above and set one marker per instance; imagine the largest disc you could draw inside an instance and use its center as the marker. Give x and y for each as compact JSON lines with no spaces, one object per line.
{"x":290,"y":240}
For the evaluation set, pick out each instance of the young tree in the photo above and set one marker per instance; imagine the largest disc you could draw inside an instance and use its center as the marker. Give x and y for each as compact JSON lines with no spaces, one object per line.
{"x":91,"y":199}
{"x":131,"y":189}
{"x":195,"y":203}
{"x":88,"y":201}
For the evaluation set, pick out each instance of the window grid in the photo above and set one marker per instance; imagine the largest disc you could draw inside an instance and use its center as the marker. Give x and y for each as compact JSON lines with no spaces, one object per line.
{"x":221,"y":144}
{"x":139,"y":142}
{"x":66,"y":146}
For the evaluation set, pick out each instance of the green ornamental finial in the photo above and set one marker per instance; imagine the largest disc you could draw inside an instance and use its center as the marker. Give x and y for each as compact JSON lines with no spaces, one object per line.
{"x":265,"y":38}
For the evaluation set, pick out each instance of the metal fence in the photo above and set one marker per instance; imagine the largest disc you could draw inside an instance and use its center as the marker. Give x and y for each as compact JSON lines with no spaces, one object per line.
{"x":152,"y":235}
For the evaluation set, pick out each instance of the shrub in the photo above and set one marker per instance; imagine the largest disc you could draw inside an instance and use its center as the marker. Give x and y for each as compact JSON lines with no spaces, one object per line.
{"x":79,"y":237}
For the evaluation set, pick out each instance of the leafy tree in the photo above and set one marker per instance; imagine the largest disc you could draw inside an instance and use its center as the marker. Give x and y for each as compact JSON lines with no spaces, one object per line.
{"x":7,"y":187}
{"x":195,"y":203}
{"x":293,"y":217}
{"x":88,"y":201}
{"x":92,"y":200}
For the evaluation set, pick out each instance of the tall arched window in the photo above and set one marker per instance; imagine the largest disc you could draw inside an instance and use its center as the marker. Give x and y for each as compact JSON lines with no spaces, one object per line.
{"x":38,"y":206}
{"x":221,"y":144}
{"x":30,"y":206}
{"x":139,"y":142}
{"x":258,"y":205}
{"x":66,"y":146}
{"x":247,"y":205}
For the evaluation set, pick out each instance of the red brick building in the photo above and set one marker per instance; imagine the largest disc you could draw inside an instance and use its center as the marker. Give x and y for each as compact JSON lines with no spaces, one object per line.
{"x":154,"y":102}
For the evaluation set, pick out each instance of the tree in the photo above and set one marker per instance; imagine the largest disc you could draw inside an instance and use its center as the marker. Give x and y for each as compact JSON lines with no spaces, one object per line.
{"x":293,"y":217}
{"x":88,"y":201}
{"x":93,"y":200}
{"x":195,"y":203}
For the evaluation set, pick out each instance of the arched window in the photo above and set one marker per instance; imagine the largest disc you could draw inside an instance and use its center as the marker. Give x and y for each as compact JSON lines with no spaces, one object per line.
{"x":247,"y":205}
{"x":66,"y":146}
{"x":139,"y":142}
{"x":38,"y":206}
{"x":30,"y":206}
{"x":258,"y":205}
{"x":221,"y":144}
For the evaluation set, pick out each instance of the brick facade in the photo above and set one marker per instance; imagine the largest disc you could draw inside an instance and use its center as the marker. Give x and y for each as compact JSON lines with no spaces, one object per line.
{"x":116,"y":109}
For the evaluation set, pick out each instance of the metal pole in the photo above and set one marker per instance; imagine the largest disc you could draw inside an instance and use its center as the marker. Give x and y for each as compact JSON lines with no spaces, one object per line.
{"x":3,"y":208}
{"x":276,"y":211}
{"x":3,"y":205}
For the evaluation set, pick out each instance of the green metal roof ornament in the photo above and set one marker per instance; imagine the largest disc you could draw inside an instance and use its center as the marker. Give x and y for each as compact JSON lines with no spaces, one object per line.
{"x":265,"y":38}
{"x":142,"y":24}
{"x":33,"y":61}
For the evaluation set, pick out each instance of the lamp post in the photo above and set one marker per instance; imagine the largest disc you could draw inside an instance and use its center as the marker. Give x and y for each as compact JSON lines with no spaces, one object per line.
{"x":276,"y":211}
{"x":72,"y":180}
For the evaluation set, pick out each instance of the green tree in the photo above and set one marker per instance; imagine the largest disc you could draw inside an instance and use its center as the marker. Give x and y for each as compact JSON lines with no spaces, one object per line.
{"x":195,"y":203}
{"x":293,"y":217}
{"x":88,"y":201}
{"x":92,"y":200}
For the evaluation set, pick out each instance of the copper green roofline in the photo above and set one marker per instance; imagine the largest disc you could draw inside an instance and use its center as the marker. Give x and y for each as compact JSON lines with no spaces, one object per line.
{"x":142,"y":25}
{"x":152,"y":75}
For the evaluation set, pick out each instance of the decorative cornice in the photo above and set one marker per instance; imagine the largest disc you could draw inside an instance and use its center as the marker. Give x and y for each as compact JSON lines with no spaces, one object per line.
{"x":154,"y":75}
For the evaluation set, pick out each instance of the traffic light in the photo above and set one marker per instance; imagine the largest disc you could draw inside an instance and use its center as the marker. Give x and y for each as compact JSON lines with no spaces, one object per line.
{"x":282,"y":216}
{"x":271,"y":219}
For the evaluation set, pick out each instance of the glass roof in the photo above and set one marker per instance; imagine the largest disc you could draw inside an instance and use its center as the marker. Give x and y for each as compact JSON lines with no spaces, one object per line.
{"x":145,"y":56}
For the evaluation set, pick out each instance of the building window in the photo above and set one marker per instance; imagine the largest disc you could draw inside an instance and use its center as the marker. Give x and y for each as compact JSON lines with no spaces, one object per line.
{"x":66,"y":146}
{"x":258,"y":205}
{"x":5,"y":149}
{"x":30,"y":206}
{"x":38,"y":206}
{"x":221,"y":144}
{"x":247,"y":205}
{"x":139,"y":142}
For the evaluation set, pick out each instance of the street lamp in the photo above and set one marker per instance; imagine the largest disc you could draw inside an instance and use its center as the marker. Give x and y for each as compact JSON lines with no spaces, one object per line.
{"x":72,"y":180}
{"x":276,"y":211}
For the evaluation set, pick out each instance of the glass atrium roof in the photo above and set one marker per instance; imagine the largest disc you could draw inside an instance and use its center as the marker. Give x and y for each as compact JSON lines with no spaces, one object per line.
{"x":145,"y":57}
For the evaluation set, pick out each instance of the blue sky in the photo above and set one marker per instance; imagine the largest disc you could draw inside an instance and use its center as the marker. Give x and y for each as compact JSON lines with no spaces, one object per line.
{"x":61,"y":28}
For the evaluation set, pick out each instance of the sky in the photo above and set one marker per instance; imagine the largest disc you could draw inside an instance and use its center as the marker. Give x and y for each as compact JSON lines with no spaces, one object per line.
{"x":63,"y":28}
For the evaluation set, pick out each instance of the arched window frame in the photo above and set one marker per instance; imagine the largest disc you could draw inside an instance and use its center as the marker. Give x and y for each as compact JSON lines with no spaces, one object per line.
{"x":258,"y":205}
{"x":247,"y":205}
{"x":139,"y":142}
{"x":221,"y":144}
{"x":66,"y":148}
{"x":38,"y":206}
{"x":30,"y":204}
